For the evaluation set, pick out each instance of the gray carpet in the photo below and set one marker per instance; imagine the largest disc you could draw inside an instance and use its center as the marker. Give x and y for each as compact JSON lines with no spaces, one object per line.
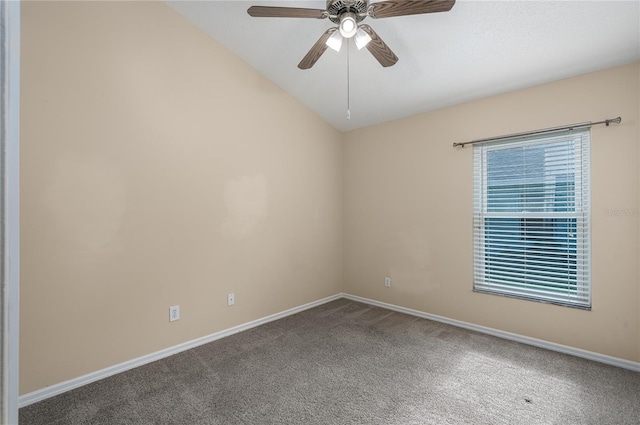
{"x":350,"y":363}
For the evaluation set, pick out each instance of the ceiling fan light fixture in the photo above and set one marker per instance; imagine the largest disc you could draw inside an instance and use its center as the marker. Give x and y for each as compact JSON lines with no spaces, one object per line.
{"x":348,"y":15}
{"x":335,"y":41}
{"x":362,"y":38}
{"x":348,"y":26}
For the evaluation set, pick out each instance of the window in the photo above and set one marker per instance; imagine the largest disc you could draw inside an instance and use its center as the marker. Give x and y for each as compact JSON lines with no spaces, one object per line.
{"x":531,"y":218}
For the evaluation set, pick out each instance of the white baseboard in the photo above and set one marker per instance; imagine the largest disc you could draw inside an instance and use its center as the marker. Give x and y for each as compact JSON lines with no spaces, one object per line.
{"x":590,"y":355}
{"x":53,"y":390}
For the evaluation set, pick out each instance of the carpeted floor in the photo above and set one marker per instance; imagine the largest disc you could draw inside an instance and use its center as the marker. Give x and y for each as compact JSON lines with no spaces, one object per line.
{"x":349,"y":363}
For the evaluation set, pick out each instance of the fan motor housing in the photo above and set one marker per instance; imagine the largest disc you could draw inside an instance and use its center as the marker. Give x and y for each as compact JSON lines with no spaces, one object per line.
{"x":338,"y":7}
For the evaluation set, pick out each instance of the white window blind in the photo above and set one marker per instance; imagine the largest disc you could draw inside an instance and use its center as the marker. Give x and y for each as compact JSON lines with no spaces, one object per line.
{"x":531,"y":218}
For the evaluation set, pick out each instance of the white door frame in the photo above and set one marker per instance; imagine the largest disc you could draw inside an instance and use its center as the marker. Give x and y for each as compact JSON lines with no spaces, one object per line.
{"x":9,"y":208}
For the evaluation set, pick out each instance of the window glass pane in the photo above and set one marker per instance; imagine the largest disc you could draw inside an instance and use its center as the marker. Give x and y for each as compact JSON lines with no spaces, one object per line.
{"x":534,"y":251}
{"x":531,"y":178}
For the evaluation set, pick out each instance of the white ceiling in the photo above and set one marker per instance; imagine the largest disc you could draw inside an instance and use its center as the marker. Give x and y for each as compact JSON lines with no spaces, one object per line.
{"x":478,"y":49}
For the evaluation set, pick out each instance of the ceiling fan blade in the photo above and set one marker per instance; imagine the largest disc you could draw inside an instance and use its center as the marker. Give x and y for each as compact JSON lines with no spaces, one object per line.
{"x":379,"y":48}
{"x":317,"y":50}
{"x":387,"y":9}
{"x":285,"y":12}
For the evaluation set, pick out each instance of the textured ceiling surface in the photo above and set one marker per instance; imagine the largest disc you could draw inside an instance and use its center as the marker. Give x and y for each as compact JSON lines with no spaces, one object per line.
{"x":478,"y":49}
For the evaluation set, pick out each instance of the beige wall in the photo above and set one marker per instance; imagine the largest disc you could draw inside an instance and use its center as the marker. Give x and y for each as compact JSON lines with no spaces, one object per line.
{"x":159,"y":169}
{"x":408,"y":211}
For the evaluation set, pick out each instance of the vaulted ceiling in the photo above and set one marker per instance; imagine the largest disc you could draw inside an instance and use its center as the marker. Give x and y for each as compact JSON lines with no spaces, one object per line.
{"x":478,"y":49}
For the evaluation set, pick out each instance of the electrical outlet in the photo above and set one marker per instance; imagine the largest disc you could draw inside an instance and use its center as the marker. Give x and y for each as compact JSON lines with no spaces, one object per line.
{"x":231,"y":299}
{"x":387,"y":282}
{"x":174,"y":313}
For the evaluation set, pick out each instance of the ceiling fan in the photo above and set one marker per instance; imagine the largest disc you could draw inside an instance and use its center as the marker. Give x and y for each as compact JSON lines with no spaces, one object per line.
{"x":348,"y":15}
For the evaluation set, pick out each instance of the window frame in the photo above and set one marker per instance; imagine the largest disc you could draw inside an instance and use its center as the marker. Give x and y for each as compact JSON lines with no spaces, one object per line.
{"x":579,"y":213}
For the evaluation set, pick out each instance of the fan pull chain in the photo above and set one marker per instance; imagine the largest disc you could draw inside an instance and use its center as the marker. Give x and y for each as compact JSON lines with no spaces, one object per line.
{"x":348,"y":86}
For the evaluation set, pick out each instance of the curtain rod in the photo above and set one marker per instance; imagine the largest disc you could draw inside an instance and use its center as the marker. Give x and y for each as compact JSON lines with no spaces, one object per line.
{"x":544,"y":130}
